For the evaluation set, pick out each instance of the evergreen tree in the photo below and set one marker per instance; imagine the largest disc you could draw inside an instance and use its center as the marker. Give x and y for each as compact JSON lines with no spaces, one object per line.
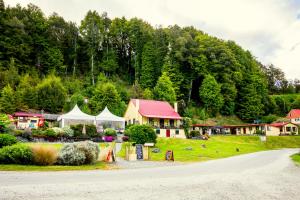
{"x":164,"y":89}
{"x":210,"y":94}
{"x":8,"y":100}
{"x":148,"y":75}
{"x":147,"y":94}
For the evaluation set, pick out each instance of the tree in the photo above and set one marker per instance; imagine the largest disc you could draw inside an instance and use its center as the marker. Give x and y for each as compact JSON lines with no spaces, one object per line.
{"x":140,"y":134}
{"x":51,"y":94}
{"x":148,"y":74}
{"x":8,"y":100}
{"x":26,"y":91}
{"x":210,"y":94}
{"x":106,"y":95}
{"x":147,"y":94}
{"x":164,"y":89}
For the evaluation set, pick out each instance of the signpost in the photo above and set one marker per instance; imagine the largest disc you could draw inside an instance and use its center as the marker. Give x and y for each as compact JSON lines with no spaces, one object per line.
{"x":139,"y":151}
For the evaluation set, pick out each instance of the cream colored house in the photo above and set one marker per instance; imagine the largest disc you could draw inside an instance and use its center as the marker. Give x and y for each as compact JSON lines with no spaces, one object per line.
{"x":281,"y":128}
{"x":294,"y":116}
{"x":159,"y":114}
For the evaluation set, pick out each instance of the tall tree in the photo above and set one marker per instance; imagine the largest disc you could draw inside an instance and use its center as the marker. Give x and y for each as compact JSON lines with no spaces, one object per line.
{"x":8,"y":100}
{"x":164,"y":89}
{"x":148,"y":74}
{"x":210,"y":94}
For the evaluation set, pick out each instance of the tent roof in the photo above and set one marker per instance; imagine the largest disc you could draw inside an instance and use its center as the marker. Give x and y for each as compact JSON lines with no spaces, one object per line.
{"x":106,"y":115}
{"x":76,"y":114}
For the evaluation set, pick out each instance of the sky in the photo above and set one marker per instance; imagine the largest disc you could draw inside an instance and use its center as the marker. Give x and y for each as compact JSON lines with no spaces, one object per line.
{"x":270,"y":29}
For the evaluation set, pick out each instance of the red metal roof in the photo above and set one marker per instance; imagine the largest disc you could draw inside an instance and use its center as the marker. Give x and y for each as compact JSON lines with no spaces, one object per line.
{"x":281,"y":124}
{"x":294,"y":113}
{"x":156,"y":109}
{"x":24,"y":114}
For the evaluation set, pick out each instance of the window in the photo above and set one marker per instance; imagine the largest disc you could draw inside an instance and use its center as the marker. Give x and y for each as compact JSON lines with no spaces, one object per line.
{"x":268,"y":128}
{"x":162,"y":122}
{"x":250,"y":128}
{"x":294,"y":129}
{"x":33,"y":121}
{"x":151,"y":121}
{"x":177,"y":131}
{"x":157,"y":131}
{"x":288,"y":129}
{"x":172,"y":122}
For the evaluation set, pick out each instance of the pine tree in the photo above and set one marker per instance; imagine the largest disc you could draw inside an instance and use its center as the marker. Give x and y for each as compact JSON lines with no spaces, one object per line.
{"x":7,"y":100}
{"x":164,"y":89}
{"x":148,"y":75}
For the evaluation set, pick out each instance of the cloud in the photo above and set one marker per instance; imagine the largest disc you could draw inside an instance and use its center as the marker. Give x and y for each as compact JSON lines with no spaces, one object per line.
{"x":270,"y":29}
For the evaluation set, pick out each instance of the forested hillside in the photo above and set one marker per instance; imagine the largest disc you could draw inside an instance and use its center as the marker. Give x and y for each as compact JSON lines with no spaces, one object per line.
{"x":47,"y":63}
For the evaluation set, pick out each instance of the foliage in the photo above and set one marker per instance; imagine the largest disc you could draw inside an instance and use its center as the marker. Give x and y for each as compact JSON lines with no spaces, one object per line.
{"x":7,"y":140}
{"x":68,"y":132}
{"x":269,"y":119}
{"x":91,"y":130}
{"x":164,"y":89}
{"x":16,"y":154}
{"x":194,"y":133}
{"x":50,"y":133}
{"x":44,"y":155}
{"x":78,"y":153}
{"x":110,"y":132}
{"x":4,"y":122}
{"x":58,"y":131}
{"x":140,"y":134}
{"x":8,"y":100}
{"x":51,"y":94}
{"x":210,"y":93}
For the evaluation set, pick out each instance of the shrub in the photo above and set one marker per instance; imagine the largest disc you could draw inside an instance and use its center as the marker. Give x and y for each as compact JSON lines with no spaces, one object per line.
{"x":140,"y":134}
{"x":78,"y":153}
{"x":44,"y":155}
{"x":16,"y":154}
{"x":27,"y":134}
{"x":110,"y":132}
{"x":77,"y":129}
{"x":194,"y":133}
{"x":58,"y":131}
{"x":91,"y":130}
{"x":259,"y":132}
{"x":50,"y":133}
{"x":18,"y":133}
{"x":68,"y":132}
{"x":37,"y":132}
{"x":7,"y":140}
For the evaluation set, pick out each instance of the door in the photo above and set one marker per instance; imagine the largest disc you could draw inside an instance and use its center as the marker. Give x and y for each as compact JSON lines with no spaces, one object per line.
{"x":168,"y":133}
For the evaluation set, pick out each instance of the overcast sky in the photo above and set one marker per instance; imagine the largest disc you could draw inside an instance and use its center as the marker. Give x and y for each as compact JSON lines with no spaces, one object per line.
{"x":270,"y":29}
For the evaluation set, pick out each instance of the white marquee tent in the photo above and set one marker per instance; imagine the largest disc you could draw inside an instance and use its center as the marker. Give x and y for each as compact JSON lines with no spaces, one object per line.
{"x":108,"y":120}
{"x":75,"y":116}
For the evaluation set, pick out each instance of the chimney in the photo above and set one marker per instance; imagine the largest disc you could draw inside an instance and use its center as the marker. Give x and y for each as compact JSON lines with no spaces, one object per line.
{"x":137,"y":104}
{"x":176,"y":107}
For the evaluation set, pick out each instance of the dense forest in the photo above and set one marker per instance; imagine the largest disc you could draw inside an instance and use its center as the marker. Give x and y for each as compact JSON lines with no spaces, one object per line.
{"x":47,"y":63}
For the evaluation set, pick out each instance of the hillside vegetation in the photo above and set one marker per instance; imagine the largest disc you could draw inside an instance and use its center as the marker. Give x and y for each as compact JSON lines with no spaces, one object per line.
{"x":50,"y":64}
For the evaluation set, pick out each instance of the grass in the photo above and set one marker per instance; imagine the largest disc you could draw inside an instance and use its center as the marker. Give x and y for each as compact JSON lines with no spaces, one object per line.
{"x":218,"y":147}
{"x":296,"y":158}
{"x":96,"y":166}
{"x":221,"y":120}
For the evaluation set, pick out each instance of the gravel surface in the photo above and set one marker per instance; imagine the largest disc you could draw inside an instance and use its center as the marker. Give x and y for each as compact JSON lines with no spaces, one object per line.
{"x":263,"y":175}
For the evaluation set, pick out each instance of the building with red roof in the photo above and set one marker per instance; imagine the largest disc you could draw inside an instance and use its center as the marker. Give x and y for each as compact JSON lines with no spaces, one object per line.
{"x":160,"y":114}
{"x":28,"y":120}
{"x":294,"y":116}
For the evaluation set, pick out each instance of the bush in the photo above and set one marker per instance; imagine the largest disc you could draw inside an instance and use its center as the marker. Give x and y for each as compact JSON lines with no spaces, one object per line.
{"x":27,"y":134}
{"x":7,"y":140}
{"x":78,"y":153}
{"x":269,"y":119}
{"x":37,"y":133}
{"x":18,"y":133}
{"x":68,"y":132}
{"x":110,"y":132}
{"x":195,"y":134}
{"x":44,"y":155}
{"x":91,"y":130}
{"x":259,"y":132}
{"x":50,"y":133}
{"x":16,"y":154}
{"x":58,"y":131}
{"x":140,"y":134}
{"x":77,"y":129}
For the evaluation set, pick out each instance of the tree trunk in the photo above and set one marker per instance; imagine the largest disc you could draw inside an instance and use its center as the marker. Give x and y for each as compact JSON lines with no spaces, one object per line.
{"x":92,"y":70}
{"x":190,"y":91}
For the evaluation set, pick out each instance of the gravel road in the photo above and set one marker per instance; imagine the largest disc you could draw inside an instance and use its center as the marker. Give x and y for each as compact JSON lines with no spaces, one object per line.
{"x":263,"y":175}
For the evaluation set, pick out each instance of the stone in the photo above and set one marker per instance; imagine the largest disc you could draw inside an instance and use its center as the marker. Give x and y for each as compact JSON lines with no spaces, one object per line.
{"x":203,"y":146}
{"x":156,"y":150}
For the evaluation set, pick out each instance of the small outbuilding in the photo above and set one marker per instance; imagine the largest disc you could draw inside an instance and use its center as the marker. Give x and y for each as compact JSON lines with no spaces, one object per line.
{"x":75,"y":116}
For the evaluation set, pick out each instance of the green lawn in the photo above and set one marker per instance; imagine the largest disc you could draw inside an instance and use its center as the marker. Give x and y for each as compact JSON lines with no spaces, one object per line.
{"x":97,"y":165}
{"x":296,"y":158}
{"x":218,"y":147}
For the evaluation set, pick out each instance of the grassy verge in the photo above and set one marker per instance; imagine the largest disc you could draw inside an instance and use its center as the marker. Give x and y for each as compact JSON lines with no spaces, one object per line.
{"x":96,"y":166}
{"x":12,"y":167}
{"x":296,"y":158}
{"x":218,"y":147}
